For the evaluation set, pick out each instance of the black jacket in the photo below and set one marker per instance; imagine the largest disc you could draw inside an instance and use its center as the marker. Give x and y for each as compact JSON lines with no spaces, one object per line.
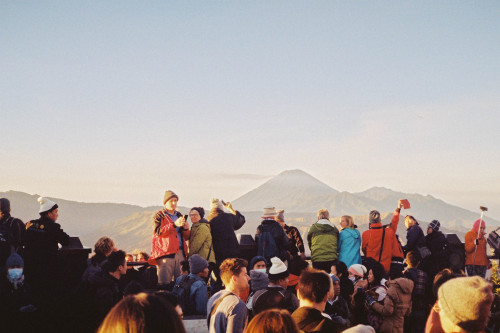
{"x":311,"y":320}
{"x":414,"y":238}
{"x":280,"y":238}
{"x":105,"y":291}
{"x":224,"y":240}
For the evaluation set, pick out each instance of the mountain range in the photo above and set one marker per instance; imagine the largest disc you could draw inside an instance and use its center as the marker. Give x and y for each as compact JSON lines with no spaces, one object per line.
{"x":298,"y":193}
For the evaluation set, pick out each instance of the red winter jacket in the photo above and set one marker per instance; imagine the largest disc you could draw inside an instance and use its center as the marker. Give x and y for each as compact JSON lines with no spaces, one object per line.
{"x":371,"y":244}
{"x":165,"y":238}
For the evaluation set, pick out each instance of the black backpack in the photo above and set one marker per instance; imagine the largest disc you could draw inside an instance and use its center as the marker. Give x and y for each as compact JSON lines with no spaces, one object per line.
{"x":266,"y":245}
{"x":183,"y":292}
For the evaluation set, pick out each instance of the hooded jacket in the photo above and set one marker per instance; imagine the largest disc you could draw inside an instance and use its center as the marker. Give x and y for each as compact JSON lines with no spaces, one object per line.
{"x":165,"y":237}
{"x":397,"y":305}
{"x":322,"y":239}
{"x":470,"y":248}
{"x":200,"y":241}
{"x":349,"y":246}
{"x":414,"y":238}
{"x":224,"y":240}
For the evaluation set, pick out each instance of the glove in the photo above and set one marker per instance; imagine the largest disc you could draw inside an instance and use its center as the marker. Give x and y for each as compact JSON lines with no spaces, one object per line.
{"x":476,"y":241}
{"x":370,"y":300}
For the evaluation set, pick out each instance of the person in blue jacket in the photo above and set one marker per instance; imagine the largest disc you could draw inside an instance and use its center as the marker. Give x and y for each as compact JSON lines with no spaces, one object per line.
{"x":349,"y":242}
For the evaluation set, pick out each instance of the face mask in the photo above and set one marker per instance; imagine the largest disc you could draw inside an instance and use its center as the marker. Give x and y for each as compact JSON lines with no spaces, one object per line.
{"x":262,"y":270}
{"x":353,"y":279}
{"x":15,"y":273}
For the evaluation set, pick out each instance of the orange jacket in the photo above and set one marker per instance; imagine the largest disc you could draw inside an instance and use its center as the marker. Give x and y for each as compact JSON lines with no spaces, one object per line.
{"x":397,"y":250}
{"x":470,"y":248}
{"x":371,"y":244}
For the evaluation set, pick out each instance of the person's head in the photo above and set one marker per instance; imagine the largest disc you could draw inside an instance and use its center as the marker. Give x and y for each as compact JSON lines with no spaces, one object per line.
{"x":374,"y":217}
{"x":233,"y":273}
{"x":441,"y":277}
{"x":413,"y":259}
{"x":375,"y":274}
{"x":48,"y":208}
{"x":173,"y":300}
{"x":185,"y":267}
{"x":272,"y":321}
{"x":142,"y":256}
{"x":464,"y":304}
{"x":433,"y":227}
{"x":479,"y":227}
{"x":323,"y":214}
{"x":336,"y":286}
{"x":142,"y":313}
{"x":410,"y":221}
{"x":15,"y":267}
{"x":278,"y":273}
{"x":269,"y":213}
{"x":170,"y":201}
{"x":198,"y":266}
{"x":356,"y":272}
{"x":116,"y":264}
{"x":258,"y":263}
{"x":259,"y":280}
{"x":346,"y":221}
{"x":314,"y":286}
{"x":104,"y":246}
{"x":339,"y":269}
{"x":196,"y":214}
{"x":280,"y":218}
{"x":4,"y":208}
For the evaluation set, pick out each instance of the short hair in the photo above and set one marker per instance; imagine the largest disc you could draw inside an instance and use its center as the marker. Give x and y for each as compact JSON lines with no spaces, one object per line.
{"x":273,"y":321}
{"x":113,"y":261}
{"x":185,"y":266}
{"x":413,"y":258}
{"x":104,"y":245}
{"x":314,"y":285}
{"x":323,"y":214}
{"x":145,"y":255}
{"x":142,"y":313}
{"x":349,"y":219}
{"x":230,"y":267}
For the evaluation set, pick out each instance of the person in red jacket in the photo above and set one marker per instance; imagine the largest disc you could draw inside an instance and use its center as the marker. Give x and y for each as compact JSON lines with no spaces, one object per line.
{"x":168,"y":246}
{"x":378,"y":242}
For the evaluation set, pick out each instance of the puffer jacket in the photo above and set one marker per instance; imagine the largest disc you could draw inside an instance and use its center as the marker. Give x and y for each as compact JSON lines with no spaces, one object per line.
{"x":165,"y":238}
{"x":397,"y":305}
{"x":349,"y":246}
{"x":224,"y":239}
{"x":322,"y":239}
{"x":200,"y":241}
{"x":480,"y":258}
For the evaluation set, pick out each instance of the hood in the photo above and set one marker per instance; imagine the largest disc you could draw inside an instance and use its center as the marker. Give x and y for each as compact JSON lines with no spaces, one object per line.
{"x":324,"y":225}
{"x":403,"y":284}
{"x":352,"y":232}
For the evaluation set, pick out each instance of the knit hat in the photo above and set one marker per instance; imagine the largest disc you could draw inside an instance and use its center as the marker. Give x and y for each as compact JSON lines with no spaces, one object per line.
{"x":281,"y":216}
{"x":435,"y":225}
{"x":475,"y":226}
{"x":169,"y":195}
{"x":255,"y":260}
{"x":197,"y":264}
{"x":14,"y":260}
{"x":5,"y":205}
{"x":374,"y":216}
{"x":259,"y":280}
{"x":269,"y":213}
{"x":278,"y":269}
{"x":357,"y":269}
{"x":466,"y":302}
{"x":215,"y":203}
{"x":200,"y":211}
{"x":360,"y":329}
{"x":46,"y":205}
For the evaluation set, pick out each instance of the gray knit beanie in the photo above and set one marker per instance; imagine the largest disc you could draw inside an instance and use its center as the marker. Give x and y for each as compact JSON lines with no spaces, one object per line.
{"x":197,"y":264}
{"x":169,"y":195}
{"x":374,"y":216}
{"x":258,"y":280}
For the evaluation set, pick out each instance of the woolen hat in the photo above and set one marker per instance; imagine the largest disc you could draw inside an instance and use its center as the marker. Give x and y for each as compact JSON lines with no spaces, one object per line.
{"x":466,"y":302}
{"x":358,"y":270}
{"x":278,"y":269}
{"x":281,"y":216}
{"x":200,"y":211}
{"x":169,"y":195}
{"x":435,"y":225}
{"x":46,"y":205}
{"x":259,"y":280}
{"x":216,"y":203}
{"x":197,"y":264}
{"x":255,"y":260}
{"x":14,"y":260}
{"x":360,"y":328}
{"x":5,"y":205}
{"x":374,"y":216}
{"x":269,"y":213}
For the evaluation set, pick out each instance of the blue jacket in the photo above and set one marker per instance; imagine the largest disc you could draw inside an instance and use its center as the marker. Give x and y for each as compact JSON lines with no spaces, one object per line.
{"x":198,"y":294}
{"x":349,"y":246}
{"x":414,"y":238}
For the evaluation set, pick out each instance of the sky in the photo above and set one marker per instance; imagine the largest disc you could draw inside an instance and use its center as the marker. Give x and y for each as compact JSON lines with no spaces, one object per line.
{"x":118,"y":101}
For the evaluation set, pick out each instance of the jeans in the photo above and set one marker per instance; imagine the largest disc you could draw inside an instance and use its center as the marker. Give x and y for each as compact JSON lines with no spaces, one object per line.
{"x":476,"y":270}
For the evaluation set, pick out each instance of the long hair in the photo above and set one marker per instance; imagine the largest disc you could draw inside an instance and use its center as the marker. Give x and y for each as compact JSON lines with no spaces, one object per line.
{"x":142,"y":313}
{"x":273,"y":321}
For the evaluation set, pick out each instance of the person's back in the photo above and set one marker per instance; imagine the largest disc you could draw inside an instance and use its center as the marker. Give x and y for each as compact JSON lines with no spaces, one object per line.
{"x":378,"y":241}
{"x":349,"y":246}
{"x":322,"y":239}
{"x":271,"y":232}
{"x":222,"y":228}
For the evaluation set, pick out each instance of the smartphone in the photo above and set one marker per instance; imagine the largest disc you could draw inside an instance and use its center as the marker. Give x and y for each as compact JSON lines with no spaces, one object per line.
{"x":185,"y":217}
{"x":223,"y":202}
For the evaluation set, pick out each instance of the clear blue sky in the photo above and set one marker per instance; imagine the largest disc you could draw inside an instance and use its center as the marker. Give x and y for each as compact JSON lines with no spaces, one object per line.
{"x":117,"y":101}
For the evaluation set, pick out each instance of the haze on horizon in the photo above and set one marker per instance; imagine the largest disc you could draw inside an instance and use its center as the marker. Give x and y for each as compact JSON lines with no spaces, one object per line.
{"x":118,"y":101}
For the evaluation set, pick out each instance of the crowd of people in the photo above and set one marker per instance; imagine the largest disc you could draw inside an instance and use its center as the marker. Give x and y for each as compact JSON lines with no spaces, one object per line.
{"x":352,"y":282}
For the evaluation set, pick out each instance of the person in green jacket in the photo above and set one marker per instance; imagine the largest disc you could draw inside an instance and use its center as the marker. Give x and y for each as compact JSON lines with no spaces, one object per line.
{"x":200,"y":240}
{"x":322,"y":239}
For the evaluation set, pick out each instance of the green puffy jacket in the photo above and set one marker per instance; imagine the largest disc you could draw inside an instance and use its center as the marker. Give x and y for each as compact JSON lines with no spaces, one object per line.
{"x":322,"y":239}
{"x":200,"y":240}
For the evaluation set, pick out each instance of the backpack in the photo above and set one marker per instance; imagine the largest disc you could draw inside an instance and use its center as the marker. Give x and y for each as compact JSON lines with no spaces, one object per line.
{"x":6,"y":240}
{"x":266,"y":245}
{"x":183,"y":292}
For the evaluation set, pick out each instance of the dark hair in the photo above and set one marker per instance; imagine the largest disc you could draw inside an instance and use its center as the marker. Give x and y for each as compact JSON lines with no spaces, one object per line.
{"x":314,"y":285}
{"x":185,"y":266}
{"x":341,"y":268}
{"x":114,"y":260}
{"x":230,"y":267}
{"x":142,"y":313}
{"x":168,"y":296}
{"x":378,"y":273}
{"x":413,"y":258}
{"x":273,"y":321}
{"x":5,"y":205}
{"x":200,"y":211}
